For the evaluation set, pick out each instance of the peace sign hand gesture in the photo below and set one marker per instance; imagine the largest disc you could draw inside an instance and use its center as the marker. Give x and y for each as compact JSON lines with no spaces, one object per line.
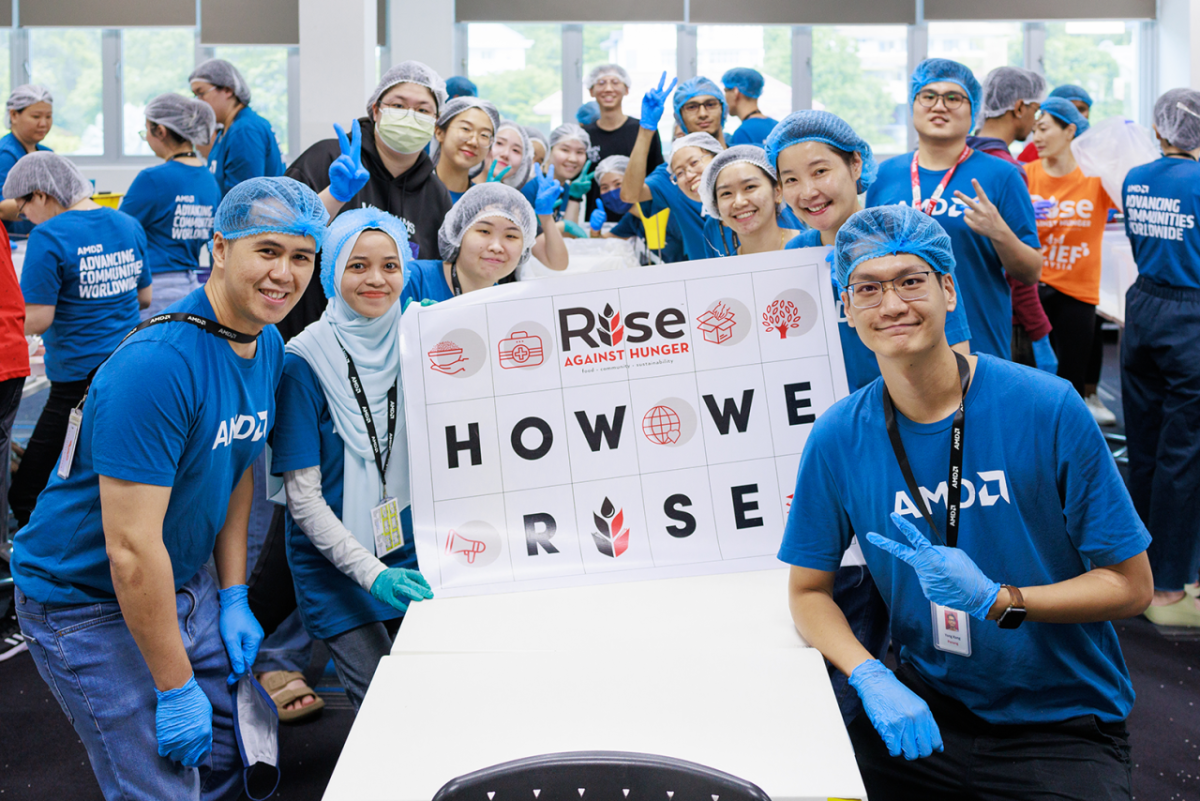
{"x":347,"y":176}
{"x":581,"y":185}
{"x":492,"y":177}
{"x":654,"y":102}
{"x":981,"y":215}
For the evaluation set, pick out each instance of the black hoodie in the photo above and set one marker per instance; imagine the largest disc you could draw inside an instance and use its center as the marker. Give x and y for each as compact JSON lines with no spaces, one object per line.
{"x":416,"y":196}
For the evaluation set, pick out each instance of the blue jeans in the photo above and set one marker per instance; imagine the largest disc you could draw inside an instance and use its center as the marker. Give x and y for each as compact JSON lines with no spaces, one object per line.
{"x":95,"y":671}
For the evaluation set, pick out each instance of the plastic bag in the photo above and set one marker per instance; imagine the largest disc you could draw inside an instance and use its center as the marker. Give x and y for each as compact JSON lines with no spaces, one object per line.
{"x":1110,"y":149}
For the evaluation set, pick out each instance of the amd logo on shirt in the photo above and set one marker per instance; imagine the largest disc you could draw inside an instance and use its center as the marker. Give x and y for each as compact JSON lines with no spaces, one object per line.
{"x":993,"y":488}
{"x":242,"y":426}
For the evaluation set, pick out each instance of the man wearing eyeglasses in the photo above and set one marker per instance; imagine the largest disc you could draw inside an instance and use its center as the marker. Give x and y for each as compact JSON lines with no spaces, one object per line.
{"x":980,"y":201}
{"x":1003,"y":552}
{"x":615,"y":133}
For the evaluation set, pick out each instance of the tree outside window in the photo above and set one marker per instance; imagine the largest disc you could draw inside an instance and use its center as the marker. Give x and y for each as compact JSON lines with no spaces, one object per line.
{"x":860,"y":73}
{"x":1101,"y":56}
{"x":67,"y":62}
{"x":519,"y":68}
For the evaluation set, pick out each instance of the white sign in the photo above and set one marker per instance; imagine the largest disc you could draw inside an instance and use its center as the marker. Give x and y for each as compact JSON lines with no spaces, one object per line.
{"x":616,"y":426}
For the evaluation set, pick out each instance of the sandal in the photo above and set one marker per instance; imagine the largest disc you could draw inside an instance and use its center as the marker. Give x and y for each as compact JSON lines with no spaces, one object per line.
{"x":276,"y":684}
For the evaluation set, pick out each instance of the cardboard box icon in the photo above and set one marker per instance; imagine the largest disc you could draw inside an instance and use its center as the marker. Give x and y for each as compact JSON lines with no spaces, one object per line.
{"x":717,"y":324}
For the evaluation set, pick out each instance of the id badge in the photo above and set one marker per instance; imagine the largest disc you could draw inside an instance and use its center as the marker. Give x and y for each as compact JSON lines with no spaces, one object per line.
{"x":385,"y":520}
{"x":74,"y":422}
{"x":951,"y":630}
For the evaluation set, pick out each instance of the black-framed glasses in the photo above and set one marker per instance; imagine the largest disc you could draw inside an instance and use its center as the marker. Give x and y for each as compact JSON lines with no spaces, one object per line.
{"x":21,"y":208}
{"x":707,"y":105}
{"x":908,"y":287}
{"x":929,"y":98}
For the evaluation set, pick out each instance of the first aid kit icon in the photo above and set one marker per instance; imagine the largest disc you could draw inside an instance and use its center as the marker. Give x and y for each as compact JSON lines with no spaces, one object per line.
{"x":522,"y":349}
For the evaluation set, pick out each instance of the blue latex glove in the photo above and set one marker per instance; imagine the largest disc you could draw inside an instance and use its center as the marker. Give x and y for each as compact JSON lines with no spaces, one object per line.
{"x":492,"y":178}
{"x":948,"y":576}
{"x":572,"y":228}
{"x":653,"y":103}
{"x":549,"y":191}
{"x":1041,"y":208}
{"x":1044,"y":356}
{"x":396,"y":584}
{"x":598,"y":218}
{"x":347,"y":175}
{"x":583,"y":183}
{"x":183,"y":724}
{"x":409,"y":301}
{"x":901,"y":717}
{"x":239,"y":629}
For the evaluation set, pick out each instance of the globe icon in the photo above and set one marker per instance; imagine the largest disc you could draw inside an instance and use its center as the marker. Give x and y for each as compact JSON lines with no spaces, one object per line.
{"x":661,"y":425}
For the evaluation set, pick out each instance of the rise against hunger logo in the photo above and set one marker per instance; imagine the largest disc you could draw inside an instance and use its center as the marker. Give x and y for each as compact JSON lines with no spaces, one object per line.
{"x":609,"y":538}
{"x":611,"y":332}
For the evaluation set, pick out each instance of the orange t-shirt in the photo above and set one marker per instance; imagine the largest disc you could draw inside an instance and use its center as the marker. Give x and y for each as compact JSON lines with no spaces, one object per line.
{"x":1073,"y":233}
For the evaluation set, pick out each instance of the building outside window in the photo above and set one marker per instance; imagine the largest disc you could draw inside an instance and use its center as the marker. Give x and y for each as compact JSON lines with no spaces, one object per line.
{"x":519,"y":68}
{"x":767,"y":49}
{"x":860,"y":73}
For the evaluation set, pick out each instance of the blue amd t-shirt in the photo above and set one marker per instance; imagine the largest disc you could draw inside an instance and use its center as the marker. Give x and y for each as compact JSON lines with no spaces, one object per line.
{"x":753,"y":131}
{"x":246,"y":149}
{"x":174,"y":407}
{"x":1162,"y":203}
{"x":11,"y":151}
{"x":861,"y":365}
{"x":88,"y":264}
{"x":175,"y":203}
{"x":1042,"y":503}
{"x":330,"y":601}
{"x":986,"y":293}
{"x":720,"y":239}
{"x":684,"y":211}
{"x":425,"y":280}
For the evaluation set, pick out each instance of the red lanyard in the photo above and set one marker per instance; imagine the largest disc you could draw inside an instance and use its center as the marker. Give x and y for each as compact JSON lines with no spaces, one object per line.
{"x":929,"y":205}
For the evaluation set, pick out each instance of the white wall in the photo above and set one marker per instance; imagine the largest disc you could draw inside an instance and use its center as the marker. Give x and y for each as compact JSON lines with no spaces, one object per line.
{"x":1178,"y":44}
{"x":337,"y":64}
{"x":423,"y":30}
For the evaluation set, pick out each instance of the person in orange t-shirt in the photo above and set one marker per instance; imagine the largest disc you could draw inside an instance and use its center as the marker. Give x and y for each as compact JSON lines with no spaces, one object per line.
{"x":1071,"y":237}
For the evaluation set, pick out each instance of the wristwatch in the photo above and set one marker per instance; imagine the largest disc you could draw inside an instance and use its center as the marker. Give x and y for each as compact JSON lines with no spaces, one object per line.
{"x":1014,"y":615}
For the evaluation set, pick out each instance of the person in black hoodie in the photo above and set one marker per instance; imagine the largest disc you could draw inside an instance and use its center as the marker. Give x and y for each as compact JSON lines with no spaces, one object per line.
{"x":399,"y":123}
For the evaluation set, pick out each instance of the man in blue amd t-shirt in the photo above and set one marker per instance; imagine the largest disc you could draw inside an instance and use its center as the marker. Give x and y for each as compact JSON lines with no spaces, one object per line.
{"x":980,"y":201}
{"x":123,"y":621}
{"x":981,"y":706}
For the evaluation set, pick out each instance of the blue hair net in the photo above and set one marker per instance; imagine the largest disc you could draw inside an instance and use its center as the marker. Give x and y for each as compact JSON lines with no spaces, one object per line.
{"x":821,"y":126}
{"x":696,"y":87}
{"x":1070,"y":91}
{"x":280,"y":205}
{"x":747,"y":81}
{"x":886,"y":231}
{"x":588,"y":113}
{"x":343,"y":232}
{"x":933,"y":70}
{"x":458,"y":86}
{"x":1065,"y":112}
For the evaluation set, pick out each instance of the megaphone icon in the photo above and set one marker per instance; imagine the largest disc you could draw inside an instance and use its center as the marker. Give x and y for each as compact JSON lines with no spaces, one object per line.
{"x":457,"y":543}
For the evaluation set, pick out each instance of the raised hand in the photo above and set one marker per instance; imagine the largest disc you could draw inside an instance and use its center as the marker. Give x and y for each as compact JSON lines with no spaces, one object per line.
{"x":653,"y":103}
{"x":581,"y":185}
{"x":347,"y":176}
{"x":492,"y":178}
{"x":549,"y":191}
{"x":981,"y":215}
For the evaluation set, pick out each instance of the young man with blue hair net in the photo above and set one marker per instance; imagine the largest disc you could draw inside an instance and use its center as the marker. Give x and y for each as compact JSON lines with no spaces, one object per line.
{"x":981,"y":201}
{"x":743,"y":88}
{"x":159,"y":481}
{"x":700,"y":108}
{"x":1003,"y":553}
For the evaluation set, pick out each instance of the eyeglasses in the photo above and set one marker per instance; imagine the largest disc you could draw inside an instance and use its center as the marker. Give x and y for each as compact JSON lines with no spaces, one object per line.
{"x":401,"y":107}
{"x":609,"y":83}
{"x":929,"y":99}
{"x":695,"y":167}
{"x":708,"y":105}
{"x":142,"y":134}
{"x":200,"y":95}
{"x":908,"y":287}
{"x":21,"y":208}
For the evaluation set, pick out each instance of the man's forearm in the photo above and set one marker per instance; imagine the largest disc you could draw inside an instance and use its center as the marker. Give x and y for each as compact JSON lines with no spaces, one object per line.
{"x":635,"y":172}
{"x":553,"y":247}
{"x":229,"y":551}
{"x":145,"y":587}
{"x":822,"y":623}
{"x":1021,"y":261}
{"x":1103,"y":593}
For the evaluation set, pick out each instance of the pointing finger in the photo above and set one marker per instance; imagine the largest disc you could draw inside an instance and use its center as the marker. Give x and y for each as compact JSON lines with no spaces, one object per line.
{"x":979,"y":193}
{"x":356,"y":143}
{"x":910,"y":531}
{"x":674,"y":81}
{"x":662,"y":80}
{"x":969,"y":202}
{"x":343,"y":143}
{"x":550,"y":174}
{"x":503,"y":173}
{"x":901,"y":552}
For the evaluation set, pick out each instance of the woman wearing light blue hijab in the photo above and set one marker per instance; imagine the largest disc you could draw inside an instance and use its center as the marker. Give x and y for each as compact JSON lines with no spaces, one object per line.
{"x":352,"y":586}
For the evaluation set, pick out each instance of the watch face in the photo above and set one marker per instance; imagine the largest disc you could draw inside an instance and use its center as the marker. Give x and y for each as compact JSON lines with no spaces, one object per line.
{"x":1011,"y":618}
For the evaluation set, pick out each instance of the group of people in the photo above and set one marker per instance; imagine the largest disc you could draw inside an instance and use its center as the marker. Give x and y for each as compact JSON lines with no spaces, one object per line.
{"x":965,"y":279}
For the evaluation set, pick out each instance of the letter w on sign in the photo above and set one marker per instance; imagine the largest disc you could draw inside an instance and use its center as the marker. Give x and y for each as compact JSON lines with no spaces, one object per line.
{"x":611,"y":330}
{"x":610,"y":539}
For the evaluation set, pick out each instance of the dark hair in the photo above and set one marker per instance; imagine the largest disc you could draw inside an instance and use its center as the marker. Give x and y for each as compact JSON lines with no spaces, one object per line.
{"x":1058,"y":122}
{"x":847,"y":155}
{"x":171,"y":137}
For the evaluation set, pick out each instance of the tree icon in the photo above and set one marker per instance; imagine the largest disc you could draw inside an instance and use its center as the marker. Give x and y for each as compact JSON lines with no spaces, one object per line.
{"x":780,"y":316}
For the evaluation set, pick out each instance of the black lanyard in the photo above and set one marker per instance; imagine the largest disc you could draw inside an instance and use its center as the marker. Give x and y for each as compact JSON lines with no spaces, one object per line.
{"x":957,"y":440}
{"x":454,"y":284}
{"x":365,"y":408}
{"x":191,"y":154}
{"x":1187,"y":156}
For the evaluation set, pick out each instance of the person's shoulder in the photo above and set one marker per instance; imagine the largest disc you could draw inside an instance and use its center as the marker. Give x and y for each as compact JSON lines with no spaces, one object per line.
{"x":323,"y":151}
{"x":115,"y":219}
{"x":839,"y":422}
{"x":297,"y":369}
{"x":981,"y":164}
{"x":810,"y":238}
{"x":1027,"y":387}
{"x":900,"y":162}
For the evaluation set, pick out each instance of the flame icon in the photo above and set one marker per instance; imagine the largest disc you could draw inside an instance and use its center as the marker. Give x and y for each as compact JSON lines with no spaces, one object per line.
{"x":610,"y":539}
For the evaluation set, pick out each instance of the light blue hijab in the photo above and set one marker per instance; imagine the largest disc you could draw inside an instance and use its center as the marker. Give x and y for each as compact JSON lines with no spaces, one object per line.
{"x":374,"y":345}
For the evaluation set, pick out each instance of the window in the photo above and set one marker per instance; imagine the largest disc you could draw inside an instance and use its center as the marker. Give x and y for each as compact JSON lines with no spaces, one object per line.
{"x":151,"y":66}
{"x":982,"y":46}
{"x":644,"y":50}
{"x":1100,"y":56}
{"x":860,"y":73}
{"x":767,"y":49}
{"x":519,"y":68}
{"x":265,"y":69}
{"x":5,"y":59}
{"x":67,"y":60}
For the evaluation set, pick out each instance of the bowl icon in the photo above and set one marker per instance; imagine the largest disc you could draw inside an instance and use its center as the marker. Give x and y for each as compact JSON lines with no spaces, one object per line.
{"x":444,"y":356}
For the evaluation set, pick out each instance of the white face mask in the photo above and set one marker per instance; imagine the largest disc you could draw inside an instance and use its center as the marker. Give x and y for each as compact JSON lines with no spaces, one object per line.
{"x":256,"y":726}
{"x":404,"y":130}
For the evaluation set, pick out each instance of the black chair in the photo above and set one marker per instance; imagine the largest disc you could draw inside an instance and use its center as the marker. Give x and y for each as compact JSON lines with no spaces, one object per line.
{"x":599,"y":776}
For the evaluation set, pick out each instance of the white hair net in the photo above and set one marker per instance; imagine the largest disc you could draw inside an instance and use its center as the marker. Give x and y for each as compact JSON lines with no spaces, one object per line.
{"x":460,"y":104}
{"x":220,"y":72}
{"x":410,"y":72}
{"x":1176,"y":116}
{"x":701,"y":140}
{"x":612,"y":164}
{"x":605,"y":70}
{"x":519,"y":175}
{"x":480,"y":202}
{"x":50,"y":173}
{"x":192,"y":119}
{"x":536,"y":135}
{"x":25,"y":96}
{"x":749,"y":154}
{"x":1004,"y":87}
{"x":568,"y":131}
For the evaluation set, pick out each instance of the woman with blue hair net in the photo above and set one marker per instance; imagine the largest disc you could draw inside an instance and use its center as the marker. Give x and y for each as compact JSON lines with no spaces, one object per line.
{"x":1160,"y":374}
{"x":1080,"y":99}
{"x":160,"y":483}
{"x":245,"y":145}
{"x":981,"y":201}
{"x":976,"y":708}
{"x":743,"y":88}
{"x":29,"y":114}
{"x":342,"y":469}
